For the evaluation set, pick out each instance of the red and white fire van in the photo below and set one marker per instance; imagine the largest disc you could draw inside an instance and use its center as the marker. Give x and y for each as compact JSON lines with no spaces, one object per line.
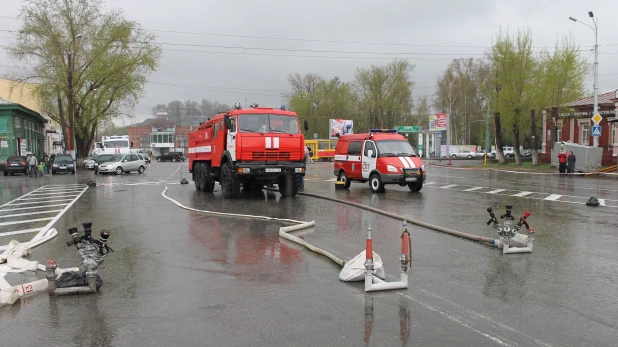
{"x":379,"y":157}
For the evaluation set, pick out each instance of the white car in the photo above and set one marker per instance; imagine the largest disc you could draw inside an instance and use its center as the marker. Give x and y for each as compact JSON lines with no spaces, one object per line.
{"x":123,"y":163}
{"x":89,"y":162}
{"x":463,"y":154}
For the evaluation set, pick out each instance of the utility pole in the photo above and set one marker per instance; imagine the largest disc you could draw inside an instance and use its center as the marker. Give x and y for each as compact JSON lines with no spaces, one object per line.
{"x":71,"y":111}
{"x":71,"y":104}
{"x":596,"y":68}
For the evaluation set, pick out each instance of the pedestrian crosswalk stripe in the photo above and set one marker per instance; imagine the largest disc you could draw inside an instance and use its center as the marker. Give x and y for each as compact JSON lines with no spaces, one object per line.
{"x":553,"y":197}
{"x":496,"y":191}
{"x":522,"y":194}
{"x":472,"y":189}
{"x":449,"y":186}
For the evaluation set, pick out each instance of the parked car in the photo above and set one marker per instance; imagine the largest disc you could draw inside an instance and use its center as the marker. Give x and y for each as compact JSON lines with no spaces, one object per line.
{"x":463,"y":154}
{"x":526,"y":153}
{"x":15,"y":165}
{"x":101,"y":158}
{"x":481,"y":154}
{"x":89,"y":162}
{"x":123,"y":163}
{"x":146,"y":157}
{"x":508,"y":152}
{"x":172,"y":156}
{"x":63,"y":163}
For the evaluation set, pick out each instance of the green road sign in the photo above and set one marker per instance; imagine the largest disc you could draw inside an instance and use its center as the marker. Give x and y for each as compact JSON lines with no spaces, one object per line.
{"x":407,"y":129}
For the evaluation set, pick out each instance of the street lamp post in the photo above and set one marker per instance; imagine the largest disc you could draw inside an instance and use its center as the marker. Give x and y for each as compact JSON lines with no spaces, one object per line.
{"x":71,"y":105}
{"x":486,"y":120}
{"x":596,"y":68}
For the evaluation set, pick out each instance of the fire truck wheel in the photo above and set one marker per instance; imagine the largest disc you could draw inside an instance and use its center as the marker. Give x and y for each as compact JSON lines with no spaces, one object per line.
{"x":230,"y":186}
{"x":415,"y":187}
{"x":288,"y":185}
{"x":196,"y":175}
{"x":206,"y":183}
{"x":376,"y":183}
{"x":344,"y":178}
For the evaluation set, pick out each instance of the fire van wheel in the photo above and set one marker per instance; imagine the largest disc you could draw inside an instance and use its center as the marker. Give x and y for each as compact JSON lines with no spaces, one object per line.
{"x":343,"y":177}
{"x":288,"y":185}
{"x":230,"y":184}
{"x":416,"y":186}
{"x":376,"y":183}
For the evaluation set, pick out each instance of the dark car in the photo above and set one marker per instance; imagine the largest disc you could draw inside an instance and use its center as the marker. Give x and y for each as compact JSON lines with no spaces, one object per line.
{"x":63,"y":163}
{"x":171,"y":156}
{"x":15,"y":165}
{"x":101,"y":158}
{"x":526,"y":152}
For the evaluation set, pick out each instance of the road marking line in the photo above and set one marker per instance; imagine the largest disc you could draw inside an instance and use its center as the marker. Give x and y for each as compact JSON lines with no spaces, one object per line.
{"x":28,"y":208}
{"x":8,"y":203}
{"x":26,"y":221}
{"x":602,"y":202}
{"x":472,"y":189}
{"x":20,"y":232}
{"x":553,"y":197}
{"x":58,"y":189}
{"x":331,"y":180}
{"x":522,"y":194}
{"x":496,"y":191}
{"x":454,"y":319}
{"x":28,"y":214}
{"x":57,"y":193}
{"x":449,"y":186}
{"x":48,"y":197}
{"x":428,"y":183}
{"x":55,"y":219}
{"x":39,"y":202}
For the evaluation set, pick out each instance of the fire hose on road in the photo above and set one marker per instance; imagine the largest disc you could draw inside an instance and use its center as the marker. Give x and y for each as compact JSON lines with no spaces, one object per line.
{"x":371,"y":270}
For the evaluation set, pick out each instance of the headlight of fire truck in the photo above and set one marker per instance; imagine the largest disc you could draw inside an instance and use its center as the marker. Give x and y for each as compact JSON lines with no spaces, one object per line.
{"x":391,"y":168}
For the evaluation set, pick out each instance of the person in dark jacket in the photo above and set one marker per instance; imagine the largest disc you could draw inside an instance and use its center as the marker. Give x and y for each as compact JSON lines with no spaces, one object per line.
{"x":562,"y":161}
{"x":571,"y":163}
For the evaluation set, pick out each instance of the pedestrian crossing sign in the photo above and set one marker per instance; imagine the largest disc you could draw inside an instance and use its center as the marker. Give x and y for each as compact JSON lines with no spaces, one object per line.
{"x":596,"y":131}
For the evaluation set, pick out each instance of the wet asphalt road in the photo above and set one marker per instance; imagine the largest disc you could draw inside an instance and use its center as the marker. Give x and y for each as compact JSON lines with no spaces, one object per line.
{"x":182,"y":278}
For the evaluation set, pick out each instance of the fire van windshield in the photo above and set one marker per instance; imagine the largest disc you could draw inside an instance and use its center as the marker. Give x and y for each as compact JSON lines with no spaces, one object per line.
{"x":266,"y":123}
{"x":395,"y":148}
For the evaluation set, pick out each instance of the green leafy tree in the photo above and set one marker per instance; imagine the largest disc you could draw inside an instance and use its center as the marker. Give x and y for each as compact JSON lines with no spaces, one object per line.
{"x":111,"y":59}
{"x":385,"y":93}
{"x":515,"y":67}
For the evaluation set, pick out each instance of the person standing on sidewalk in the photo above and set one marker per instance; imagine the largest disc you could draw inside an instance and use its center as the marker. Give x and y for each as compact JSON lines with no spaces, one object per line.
{"x":562,"y":161}
{"x":571,"y":163}
{"x":33,"y":163}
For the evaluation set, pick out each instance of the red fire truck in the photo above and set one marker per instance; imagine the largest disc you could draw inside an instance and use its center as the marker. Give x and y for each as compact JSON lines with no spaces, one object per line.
{"x":250,"y":147}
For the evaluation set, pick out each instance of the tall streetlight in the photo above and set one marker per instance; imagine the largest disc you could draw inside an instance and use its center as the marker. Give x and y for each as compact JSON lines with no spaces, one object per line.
{"x":71,"y":106}
{"x":596,"y":67}
{"x":486,"y":120}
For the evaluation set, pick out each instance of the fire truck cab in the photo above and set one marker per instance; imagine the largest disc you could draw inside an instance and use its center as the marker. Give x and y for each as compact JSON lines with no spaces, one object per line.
{"x":379,"y":157}
{"x":249,"y":147}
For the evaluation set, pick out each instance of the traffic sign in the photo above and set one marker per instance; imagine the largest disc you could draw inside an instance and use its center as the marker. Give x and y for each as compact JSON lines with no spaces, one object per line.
{"x":440,"y":135}
{"x":597,"y":118}
{"x":407,"y":129}
{"x":596,"y":130}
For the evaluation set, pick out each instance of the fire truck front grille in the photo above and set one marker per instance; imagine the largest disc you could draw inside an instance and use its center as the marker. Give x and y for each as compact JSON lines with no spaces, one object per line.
{"x":270,"y":155}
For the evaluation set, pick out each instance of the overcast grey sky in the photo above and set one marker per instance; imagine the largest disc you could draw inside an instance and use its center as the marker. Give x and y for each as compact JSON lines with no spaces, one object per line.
{"x":260,"y":75}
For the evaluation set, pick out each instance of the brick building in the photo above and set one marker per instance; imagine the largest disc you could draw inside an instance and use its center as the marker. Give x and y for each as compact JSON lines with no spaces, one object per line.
{"x":159,"y":136}
{"x":575,"y":125}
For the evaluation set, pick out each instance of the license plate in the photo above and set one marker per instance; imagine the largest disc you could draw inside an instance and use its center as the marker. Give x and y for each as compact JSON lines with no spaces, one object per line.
{"x":409,"y":179}
{"x":14,"y":164}
{"x":273,"y":170}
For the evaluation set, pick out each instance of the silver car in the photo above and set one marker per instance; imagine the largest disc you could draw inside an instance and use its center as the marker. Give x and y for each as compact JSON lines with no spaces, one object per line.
{"x":463,"y":154}
{"x":123,"y":163}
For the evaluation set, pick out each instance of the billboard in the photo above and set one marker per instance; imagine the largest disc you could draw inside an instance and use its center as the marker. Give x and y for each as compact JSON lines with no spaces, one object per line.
{"x":340,"y":126}
{"x":437,"y":122}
